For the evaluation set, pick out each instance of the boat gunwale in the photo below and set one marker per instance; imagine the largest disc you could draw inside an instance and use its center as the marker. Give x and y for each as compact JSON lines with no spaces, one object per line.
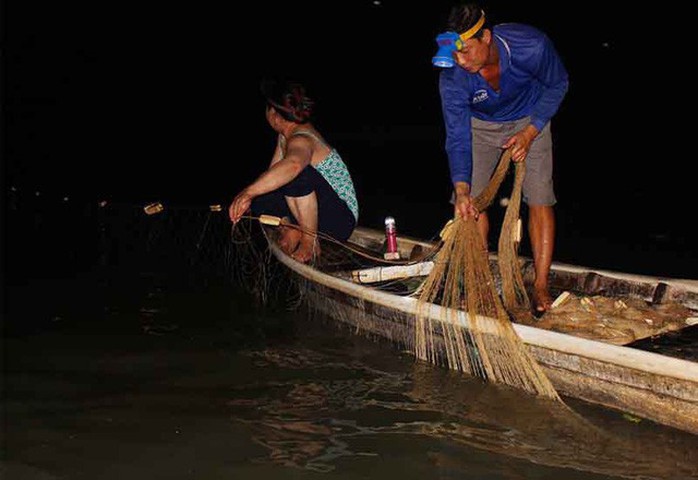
{"x":688,"y":284}
{"x":618,"y":355}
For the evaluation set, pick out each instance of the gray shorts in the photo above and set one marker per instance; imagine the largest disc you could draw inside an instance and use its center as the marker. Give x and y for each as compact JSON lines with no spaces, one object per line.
{"x":488,"y":138}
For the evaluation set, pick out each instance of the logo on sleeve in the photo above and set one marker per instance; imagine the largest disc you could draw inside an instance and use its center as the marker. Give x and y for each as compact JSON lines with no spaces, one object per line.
{"x":480,"y":96}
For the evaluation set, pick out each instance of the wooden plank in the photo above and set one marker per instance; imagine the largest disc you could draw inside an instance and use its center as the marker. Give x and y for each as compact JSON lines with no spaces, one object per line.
{"x":392,"y":272}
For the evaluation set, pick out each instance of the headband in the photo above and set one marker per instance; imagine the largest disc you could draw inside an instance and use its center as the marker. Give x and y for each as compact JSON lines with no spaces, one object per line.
{"x":296,"y":104}
{"x":474,"y":29}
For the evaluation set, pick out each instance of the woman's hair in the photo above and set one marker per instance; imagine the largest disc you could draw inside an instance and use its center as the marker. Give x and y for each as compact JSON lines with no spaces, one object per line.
{"x":289,"y":99}
{"x":464,"y":16}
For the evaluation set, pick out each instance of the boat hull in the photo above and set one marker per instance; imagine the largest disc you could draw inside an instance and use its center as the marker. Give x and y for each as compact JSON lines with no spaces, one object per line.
{"x":648,"y":385}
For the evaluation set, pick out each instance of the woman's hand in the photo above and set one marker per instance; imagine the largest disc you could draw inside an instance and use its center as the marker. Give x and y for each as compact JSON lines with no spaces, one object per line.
{"x":241,"y":203}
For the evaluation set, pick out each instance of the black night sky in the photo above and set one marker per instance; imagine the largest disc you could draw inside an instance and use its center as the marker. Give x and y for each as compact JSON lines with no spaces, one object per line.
{"x":141,"y":102}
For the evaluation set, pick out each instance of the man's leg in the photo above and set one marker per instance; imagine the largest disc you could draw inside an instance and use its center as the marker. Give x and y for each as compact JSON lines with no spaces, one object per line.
{"x":541,"y":230}
{"x":539,"y":195}
{"x":488,"y":139}
{"x":483,"y":226}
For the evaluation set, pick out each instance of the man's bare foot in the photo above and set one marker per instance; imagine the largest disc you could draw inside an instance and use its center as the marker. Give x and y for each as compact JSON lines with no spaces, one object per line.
{"x":307,"y":250}
{"x":289,"y":239}
{"x":542,"y":300}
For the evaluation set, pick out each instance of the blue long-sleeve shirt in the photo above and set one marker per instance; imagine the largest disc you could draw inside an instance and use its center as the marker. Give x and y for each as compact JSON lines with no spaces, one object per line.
{"x":533,"y":81}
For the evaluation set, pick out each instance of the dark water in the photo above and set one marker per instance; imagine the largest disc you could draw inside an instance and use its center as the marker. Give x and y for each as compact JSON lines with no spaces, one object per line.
{"x":147,"y":367}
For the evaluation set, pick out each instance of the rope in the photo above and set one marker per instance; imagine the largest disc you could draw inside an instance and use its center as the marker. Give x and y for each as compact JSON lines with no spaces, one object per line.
{"x":270,"y":220}
{"x":276,"y":221}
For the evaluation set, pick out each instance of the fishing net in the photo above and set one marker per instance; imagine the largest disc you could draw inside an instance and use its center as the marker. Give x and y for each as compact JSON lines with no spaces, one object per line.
{"x":462,"y":322}
{"x":195,"y":242}
{"x":474,"y":327}
{"x":165,"y":238}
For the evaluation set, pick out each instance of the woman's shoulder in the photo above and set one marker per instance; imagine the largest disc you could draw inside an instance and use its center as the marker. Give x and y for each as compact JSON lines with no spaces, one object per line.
{"x":308,"y":135}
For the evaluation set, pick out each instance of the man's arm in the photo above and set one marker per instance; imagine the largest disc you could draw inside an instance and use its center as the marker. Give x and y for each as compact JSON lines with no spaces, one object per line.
{"x":551,"y":72}
{"x":456,"y":115}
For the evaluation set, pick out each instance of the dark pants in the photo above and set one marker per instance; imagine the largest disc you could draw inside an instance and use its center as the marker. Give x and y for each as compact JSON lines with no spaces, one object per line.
{"x":334,"y":217}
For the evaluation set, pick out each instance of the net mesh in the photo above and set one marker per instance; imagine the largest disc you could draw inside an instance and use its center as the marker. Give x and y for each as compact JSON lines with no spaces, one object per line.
{"x":483,"y":342}
{"x":469,"y":330}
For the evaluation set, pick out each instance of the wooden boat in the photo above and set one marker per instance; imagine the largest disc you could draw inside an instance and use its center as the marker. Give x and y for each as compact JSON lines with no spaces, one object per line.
{"x":377,"y":299}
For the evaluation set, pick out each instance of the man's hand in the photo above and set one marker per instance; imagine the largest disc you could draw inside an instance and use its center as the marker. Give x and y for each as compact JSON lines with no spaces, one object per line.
{"x":463,"y":202}
{"x":520,"y":143}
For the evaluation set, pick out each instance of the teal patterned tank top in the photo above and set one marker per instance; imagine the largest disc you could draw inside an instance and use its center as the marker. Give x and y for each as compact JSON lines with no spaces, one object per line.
{"x":335,"y":171}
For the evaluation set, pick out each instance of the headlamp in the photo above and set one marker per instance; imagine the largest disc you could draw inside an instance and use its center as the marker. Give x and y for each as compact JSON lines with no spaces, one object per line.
{"x":448,"y":42}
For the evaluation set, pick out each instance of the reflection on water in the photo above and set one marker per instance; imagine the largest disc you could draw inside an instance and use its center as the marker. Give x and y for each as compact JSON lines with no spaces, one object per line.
{"x":294,"y":419}
{"x":193,"y":382}
{"x":313,"y":409}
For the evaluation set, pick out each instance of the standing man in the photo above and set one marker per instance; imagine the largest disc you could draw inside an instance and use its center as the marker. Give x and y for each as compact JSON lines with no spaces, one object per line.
{"x":507,"y":84}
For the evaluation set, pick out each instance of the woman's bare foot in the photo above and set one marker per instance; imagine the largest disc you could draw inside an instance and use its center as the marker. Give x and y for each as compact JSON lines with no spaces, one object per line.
{"x":307,"y":250}
{"x":542,"y":299}
{"x":289,"y":239}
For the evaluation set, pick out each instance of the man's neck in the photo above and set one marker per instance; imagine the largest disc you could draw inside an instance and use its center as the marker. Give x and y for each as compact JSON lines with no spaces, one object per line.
{"x":493,"y":55}
{"x":490,"y":70}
